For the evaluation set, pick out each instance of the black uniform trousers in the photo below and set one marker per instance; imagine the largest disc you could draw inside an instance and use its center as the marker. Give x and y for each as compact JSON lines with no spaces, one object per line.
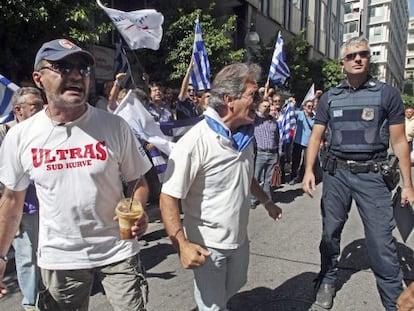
{"x":373,"y":200}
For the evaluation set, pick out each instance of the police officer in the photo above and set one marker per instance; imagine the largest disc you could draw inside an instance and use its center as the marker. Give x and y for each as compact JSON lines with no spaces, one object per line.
{"x":362,"y":115}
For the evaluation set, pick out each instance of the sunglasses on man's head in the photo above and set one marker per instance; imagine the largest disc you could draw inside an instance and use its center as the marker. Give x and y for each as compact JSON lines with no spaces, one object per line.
{"x":352,"y":56}
{"x":65,"y":68}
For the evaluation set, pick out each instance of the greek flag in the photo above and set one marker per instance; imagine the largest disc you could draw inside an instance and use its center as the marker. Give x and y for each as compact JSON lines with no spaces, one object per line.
{"x":122,"y":65}
{"x":288,"y":123}
{"x":279,"y":71}
{"x":7,"y":89}
{"x":200,"y":75}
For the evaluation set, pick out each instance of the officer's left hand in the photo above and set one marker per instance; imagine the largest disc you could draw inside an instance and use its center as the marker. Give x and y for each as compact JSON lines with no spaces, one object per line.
{"x":308,"y":183}
{"x":407,"y":195}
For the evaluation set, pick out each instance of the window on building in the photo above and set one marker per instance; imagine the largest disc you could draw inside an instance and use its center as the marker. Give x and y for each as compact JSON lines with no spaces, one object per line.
{"x":348,"y":7}
{"x":376,"y":11}
{"x":264,"y":7}
{"x":297,"y":3}
{"x":323,"y":17}
{"x":351,"y":27}
{"x":410,"y":61}
{"x":376,"y":53}
{"x":334,"y":24}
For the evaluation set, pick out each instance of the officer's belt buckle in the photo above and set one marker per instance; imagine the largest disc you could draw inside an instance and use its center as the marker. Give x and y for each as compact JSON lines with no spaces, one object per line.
{"x":358,"y":167}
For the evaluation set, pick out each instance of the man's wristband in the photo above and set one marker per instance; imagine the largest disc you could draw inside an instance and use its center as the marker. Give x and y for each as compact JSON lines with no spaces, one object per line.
{"x":4,"y":257}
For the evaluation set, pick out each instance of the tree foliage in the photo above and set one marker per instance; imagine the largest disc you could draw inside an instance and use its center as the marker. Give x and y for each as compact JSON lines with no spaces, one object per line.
{"x":170,"y":62}
{"x":332,"y":74}
{"x":218,"y":43}
{"x":26,"y":24}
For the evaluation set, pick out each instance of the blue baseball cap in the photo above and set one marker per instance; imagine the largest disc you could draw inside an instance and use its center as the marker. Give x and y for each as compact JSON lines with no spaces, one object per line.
{"x":60,"y":48}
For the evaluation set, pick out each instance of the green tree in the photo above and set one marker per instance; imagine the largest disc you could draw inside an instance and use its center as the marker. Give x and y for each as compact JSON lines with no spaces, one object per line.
{"x":170,"y":62}
{"x":332,"y":74}
{"x":408,"y":100}
{"x":26,"y":24}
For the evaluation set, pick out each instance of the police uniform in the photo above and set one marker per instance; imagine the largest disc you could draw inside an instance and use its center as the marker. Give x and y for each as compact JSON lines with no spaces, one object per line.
{"x":358,"y":124}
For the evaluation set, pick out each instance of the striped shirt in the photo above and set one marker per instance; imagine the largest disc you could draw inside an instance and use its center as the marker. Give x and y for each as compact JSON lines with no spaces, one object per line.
{"x":266,"y":132}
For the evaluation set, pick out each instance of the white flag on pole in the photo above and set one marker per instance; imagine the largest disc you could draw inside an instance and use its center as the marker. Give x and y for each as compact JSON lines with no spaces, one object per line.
{"x":140,"y":29}
{"x":142,"y":122}
{"x":310,"y":95}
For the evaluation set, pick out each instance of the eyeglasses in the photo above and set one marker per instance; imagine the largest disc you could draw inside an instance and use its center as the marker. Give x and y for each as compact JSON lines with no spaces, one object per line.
{"x":65,"y":68}
{"x":352,"y":56}
{"x":190,"y":90}
{"x":256,"y":96}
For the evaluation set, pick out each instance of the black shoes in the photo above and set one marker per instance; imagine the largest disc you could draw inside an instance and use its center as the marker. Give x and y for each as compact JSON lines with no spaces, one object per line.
{"x":324,"y":296}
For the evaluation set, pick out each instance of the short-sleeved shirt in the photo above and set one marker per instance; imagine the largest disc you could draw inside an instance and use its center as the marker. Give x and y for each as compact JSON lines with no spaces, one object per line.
{"x":213,"y":180}
{"x":77,"y":169}
{"x":391,"y":104}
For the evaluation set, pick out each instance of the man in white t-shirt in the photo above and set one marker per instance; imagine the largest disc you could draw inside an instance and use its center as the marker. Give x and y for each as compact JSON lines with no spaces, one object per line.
{"x":77,"y":156}
{"x":211,"y":171}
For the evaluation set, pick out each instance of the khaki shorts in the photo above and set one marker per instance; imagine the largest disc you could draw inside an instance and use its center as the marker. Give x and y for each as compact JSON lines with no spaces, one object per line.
{"x":124,"y":283}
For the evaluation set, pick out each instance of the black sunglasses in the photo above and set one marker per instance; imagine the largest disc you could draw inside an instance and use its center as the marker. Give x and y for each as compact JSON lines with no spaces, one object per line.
{"x":65,"y":68}
{"x":352,"y":56}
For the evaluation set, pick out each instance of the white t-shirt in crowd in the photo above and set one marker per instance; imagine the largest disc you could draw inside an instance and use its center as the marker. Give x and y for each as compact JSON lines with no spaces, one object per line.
{"x":213,"y":180}
{"x":77,"y":169}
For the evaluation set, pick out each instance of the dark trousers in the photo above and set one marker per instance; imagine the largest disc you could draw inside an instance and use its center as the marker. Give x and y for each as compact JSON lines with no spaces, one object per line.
{"x":263,"y":169}
{"x":373,"y":200}
{"x":298,"y":156}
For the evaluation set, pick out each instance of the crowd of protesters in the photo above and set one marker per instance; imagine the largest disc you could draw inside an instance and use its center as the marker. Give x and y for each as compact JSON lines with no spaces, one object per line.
{"x":199,"y":177}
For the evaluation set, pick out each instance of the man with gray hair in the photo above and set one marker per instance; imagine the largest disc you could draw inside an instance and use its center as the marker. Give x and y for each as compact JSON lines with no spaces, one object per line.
{"x":363,"y":115}
{"x":26,"y":101}
{"x":211,"y":171}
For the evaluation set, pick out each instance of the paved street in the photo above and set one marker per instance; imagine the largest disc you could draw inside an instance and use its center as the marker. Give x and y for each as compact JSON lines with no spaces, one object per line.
{"x":284,"y":260}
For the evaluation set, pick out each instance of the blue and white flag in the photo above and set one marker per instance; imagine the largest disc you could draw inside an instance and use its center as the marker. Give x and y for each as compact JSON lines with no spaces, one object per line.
{"x":122,"y":65}
{"x":7,"y":89}
{"x":279,"y":71}
{"x":200,"y":75}
{"x":288,"y":123}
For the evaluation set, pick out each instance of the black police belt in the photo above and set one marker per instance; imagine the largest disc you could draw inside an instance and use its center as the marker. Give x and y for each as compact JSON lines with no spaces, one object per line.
{"x":357,"y":167}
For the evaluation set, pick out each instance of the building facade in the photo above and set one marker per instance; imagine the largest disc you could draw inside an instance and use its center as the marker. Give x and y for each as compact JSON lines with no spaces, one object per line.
{"x":409,"y":63}
{"x":384,"y":23}
{"x":321,"y":22}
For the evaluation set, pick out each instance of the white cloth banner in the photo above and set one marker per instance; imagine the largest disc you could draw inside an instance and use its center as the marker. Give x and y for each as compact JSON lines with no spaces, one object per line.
{"x":140,"y":29}
{"x":142,"y":123}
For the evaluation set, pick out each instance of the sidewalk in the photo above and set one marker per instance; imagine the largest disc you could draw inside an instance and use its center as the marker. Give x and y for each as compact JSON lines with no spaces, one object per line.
{"x":284,"y":260}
